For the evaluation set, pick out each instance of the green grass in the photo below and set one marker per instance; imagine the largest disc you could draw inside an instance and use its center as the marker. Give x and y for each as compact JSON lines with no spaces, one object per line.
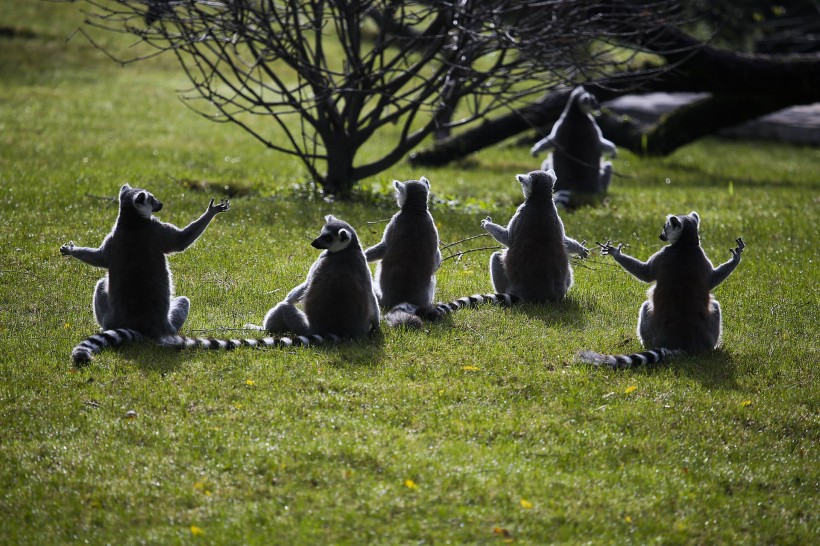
{"x":311,"y":446}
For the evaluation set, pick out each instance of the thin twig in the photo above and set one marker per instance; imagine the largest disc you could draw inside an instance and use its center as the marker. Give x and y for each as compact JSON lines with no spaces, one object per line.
{"x":463,"y":252}
{"x":442,"y":247}
{"x":102,"y":197}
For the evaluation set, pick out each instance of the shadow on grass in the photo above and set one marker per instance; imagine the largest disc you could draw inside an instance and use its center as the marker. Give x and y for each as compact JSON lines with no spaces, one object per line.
{"x":714,"y":370}
{"x":568,"y":312}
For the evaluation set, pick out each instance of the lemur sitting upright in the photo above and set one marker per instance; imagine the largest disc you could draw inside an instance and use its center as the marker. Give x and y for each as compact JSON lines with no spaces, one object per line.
{"x":337,"y":294}
{"x":577,"y":146}
{"x":680,"y":313}
{"x":408,"y":253}
{"x":135,"y":299}
{"x":535,"y":267}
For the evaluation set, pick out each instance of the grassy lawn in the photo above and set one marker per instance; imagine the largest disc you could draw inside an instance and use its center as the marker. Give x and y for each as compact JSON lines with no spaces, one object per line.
{"x":479,"y":430}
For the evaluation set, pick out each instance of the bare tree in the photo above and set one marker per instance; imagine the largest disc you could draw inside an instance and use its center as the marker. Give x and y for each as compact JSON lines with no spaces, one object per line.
{"x":333,"y":74}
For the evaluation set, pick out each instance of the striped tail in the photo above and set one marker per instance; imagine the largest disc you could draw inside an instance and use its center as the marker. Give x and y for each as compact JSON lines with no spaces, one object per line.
{"x":623,"y":362}
{"x":406,"y":314}
{"x":85,"y":351}
{"x":214,"y":344}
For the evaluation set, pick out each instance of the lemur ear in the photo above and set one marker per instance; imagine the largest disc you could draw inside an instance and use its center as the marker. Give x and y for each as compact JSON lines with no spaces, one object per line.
{"x":552,"y":176}
{"x":140,"y":198}
{"x":330,"y":218}
{"x":675,"y":221}
{"x":399,"y":186}
{"x":694,"y":215}
{"x":424,"y":181}
{"x":344,"y":235}
{"x":125,"y":188}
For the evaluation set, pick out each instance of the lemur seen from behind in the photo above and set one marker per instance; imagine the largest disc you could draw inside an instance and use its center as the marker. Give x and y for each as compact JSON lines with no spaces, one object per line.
{"x":681,"y":314}
{"x":576,"y":145}
{"x":408,"y":256}
{"x":337,"y":295}
{"x":535,"y":265}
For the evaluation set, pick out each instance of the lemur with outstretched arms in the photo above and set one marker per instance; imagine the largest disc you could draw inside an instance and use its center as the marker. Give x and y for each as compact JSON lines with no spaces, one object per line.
{"x":681,"y":314}
{"x":337,"y":295}
{"x":135,"y":300}
{"x":408,"y":255}
{"x":535,"y":265}
{"x":576,"y":145}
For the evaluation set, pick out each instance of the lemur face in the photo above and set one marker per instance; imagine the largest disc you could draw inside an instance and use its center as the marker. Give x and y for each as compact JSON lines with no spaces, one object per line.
{"x":536,"y":179}
{"x":143,"y":201}
{"x":676,"y":225}
{"x":335,"y":235}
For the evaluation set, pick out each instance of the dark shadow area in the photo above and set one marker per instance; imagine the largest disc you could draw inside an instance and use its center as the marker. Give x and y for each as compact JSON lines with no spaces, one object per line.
{"x":568,"y":312}
{"x":714,"y":370}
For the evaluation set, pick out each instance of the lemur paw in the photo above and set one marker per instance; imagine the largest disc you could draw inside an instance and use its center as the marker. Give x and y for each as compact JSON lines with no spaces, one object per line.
{"x":223,"y":206}
{"x":486,"y":221}
{"x":67,"y":249}
{"x":607,"y":248}
{"x":740,"y":246}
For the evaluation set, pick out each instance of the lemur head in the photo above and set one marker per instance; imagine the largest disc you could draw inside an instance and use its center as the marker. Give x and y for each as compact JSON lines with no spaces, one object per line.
{"x":141,"y":201}
{"x":537,"y":183}
{"x":681,"y":229}
{"x":412,"y":192}
{"x":584,"y":101}
{"x":336,"y":235}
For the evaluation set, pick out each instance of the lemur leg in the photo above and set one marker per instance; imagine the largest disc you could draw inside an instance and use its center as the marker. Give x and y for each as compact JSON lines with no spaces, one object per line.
{"x":645,"y":326}
{"x":286,"y":317}
{"x":605,"y":177}
{"x":102,"y":305}
{"x":714,"y":325}
{"x":497,"y":273}
{"x":178,"y":314}
{"x":547,"y":163}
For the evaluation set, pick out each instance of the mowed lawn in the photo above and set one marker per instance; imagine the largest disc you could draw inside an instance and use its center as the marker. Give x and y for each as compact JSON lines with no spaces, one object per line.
{"x":479,"y":430}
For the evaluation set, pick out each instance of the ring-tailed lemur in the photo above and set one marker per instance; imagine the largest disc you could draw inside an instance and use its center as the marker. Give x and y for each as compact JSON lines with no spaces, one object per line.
{"x":680,"y":314}
{"x":409,"y":255}
{"x":535,"y":265}
{"x":577,"y":146}
{"x":135,"y":298}
{"x":337,"y":295}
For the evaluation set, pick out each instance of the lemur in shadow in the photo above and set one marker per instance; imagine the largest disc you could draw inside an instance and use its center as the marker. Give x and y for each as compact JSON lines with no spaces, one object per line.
{"x":576,"y":145}
{"x":337,"y":295}
{"x":680,"y":314}
{"x":535,"y":265}
{"x":408,"y":256}
{"x":135,"y":299}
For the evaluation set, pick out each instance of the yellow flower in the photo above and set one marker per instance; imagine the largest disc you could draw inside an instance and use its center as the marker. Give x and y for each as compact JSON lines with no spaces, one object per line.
{"x":630,"y":389}
{"x":196,"y":531}
{"x":469,"y":368}
{"x":249,"y":382}
{"x":746,"y":403}
{"x":526,"y":504}
{"x":410,"y":484}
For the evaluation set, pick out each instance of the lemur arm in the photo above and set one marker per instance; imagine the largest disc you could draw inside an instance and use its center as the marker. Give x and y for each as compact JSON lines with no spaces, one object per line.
{"x":178,"y":240}
{"x":499,"y":233}
{"x":437,"y":259}
{"x":298,"y":292}
{"x":546,"y":143}
{"x":642,"y":271}
{"x":722,"y":271}
{"x":376,"y":252}
{"x":575,"y":247}
{"x":609,"y":147}
{"x":98,"y":257}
